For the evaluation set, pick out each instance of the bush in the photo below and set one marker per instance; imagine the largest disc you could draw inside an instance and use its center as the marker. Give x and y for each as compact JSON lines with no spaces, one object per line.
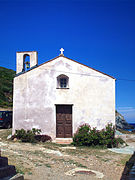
{"x":43,"y":138}
{"x":85,"y":136}
{"x":27,"y":135}
{"x":120,"y":141}
{"x":31,"y":136}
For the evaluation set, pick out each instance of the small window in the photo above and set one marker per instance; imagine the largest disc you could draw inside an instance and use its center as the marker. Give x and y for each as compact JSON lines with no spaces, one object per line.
{"x":62,"y":81}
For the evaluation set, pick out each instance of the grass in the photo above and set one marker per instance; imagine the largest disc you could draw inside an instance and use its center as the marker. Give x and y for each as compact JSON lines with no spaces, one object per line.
{"x":125,"y":159}
{"x":81,"y":165}
{"x":87,"y":151}
{"x":69,"y":161}
{"x":37,"y":153}
{"x":48,"y":165}
{"x":37,"y":164}
{"x":54,"y":146}
{"x":4,"y":133}
{"x":20,"y":170}
{"x":19,"y":164}
{"x":30,"y":156}
{"x":105,"y":160}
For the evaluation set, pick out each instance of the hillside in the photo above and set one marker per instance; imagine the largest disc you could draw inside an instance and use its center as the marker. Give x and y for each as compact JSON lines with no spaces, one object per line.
{"x":6,"y":87}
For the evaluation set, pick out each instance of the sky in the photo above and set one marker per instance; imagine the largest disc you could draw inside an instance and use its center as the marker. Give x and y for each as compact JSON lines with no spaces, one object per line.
{"x":97,"y":33}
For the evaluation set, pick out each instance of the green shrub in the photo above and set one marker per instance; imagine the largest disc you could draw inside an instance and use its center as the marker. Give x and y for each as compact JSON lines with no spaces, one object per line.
{"x":120,"y":141}
{"x":86,"y":136}
{"x":82,"y":136}
{"x":27,"y":135}
{"x":31,"y":136}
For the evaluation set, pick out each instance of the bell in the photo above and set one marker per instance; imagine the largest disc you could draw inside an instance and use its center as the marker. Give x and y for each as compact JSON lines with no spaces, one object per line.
{"x":27,"y":65}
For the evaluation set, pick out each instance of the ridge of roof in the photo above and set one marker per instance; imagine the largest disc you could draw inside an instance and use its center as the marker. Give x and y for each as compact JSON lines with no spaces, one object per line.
{"x":78,"y":63}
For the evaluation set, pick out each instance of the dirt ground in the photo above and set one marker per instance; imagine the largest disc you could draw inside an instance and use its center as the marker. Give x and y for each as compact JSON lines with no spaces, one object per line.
{"x":49,"y":161}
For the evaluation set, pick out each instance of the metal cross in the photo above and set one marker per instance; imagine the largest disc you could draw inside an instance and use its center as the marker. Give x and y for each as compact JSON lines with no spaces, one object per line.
{"x":61,"y":50}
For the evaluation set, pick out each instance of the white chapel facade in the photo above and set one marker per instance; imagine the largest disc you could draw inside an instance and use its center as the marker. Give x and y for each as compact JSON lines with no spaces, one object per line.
{"x":60,"y":95}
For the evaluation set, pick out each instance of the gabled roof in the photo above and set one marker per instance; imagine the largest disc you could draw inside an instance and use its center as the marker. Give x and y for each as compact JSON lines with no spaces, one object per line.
{"x":66,"y":58}
{"x":76,"y":62}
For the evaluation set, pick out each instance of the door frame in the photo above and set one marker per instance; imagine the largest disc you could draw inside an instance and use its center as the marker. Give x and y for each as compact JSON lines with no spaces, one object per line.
{"x":56,"y":122}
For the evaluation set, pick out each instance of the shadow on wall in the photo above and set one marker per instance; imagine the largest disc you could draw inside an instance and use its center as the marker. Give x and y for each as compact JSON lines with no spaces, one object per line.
{"x":128,"y":166}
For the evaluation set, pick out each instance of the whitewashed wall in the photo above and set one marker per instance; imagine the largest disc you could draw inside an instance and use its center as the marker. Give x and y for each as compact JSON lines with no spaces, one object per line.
{"x":35,"y":95}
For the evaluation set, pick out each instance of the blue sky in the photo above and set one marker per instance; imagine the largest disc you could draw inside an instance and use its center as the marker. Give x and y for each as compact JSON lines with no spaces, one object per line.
{"x":98,"y":33}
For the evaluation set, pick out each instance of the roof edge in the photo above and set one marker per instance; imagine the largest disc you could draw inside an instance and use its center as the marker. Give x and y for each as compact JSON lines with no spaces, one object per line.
{"x":78,"y":63}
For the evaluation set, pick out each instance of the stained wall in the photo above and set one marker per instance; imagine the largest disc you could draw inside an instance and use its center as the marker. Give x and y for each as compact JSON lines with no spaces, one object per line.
{"x":91,"y":93}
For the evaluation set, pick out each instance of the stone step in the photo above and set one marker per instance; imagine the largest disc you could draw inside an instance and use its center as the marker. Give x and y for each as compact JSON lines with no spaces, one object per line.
{"x":6,"y":178}
{"x":7,"y":171}
{"x":63,"y":140}
{"x":3,"y":161}
{"x":13,"y":177}
{"x":17,"y":177}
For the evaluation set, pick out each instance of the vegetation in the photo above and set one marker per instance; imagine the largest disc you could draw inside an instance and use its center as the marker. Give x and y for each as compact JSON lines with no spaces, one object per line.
{"x":31,"y":136}
{"x":86,"y":136}
{"x":6,"y":87}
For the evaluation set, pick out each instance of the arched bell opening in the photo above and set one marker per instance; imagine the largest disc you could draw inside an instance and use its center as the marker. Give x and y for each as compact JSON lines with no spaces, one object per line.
{"x":26,"y":62}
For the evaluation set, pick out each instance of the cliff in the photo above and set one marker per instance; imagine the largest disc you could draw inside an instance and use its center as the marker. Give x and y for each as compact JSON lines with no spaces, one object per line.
{"x":121,"y":123}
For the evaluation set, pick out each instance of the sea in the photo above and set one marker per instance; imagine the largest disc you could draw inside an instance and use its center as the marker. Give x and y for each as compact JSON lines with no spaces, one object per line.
{"x":133,"y":124}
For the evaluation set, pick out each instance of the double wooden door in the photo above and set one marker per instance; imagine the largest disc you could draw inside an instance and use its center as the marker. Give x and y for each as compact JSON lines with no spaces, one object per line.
{"x":63,"y":121}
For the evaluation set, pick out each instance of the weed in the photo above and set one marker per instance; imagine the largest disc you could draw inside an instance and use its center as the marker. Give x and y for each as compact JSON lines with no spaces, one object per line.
{"x":20,"y":170}
{"x":5,"y":133}
{"x":125,"y":159}
{"x":37,"y":152}
{"x":105,"y":160}
{"x":48,"y":165}
{"x":81,"y":165}
{"x":37,"y":164}
{"x":98,"y":156}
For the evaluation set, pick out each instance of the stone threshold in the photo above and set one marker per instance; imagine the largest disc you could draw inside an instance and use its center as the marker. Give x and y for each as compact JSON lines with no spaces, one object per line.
{"x":63,"y":140}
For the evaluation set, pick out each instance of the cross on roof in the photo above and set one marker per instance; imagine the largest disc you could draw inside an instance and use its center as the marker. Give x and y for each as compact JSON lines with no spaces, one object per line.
{"x":61,"y":50}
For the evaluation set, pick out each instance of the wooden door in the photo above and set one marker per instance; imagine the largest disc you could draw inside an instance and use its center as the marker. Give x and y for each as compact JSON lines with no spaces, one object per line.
{"x":63,"y":121}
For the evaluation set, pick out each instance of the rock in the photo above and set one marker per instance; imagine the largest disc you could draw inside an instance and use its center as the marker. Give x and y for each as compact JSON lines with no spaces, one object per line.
{"x":15,"y":139}
{"x":50,"y":151}
{"x":9,"y":136}
{"x":121,"y":122}
{"x":122,"y":145}
{"x":68,"y":147}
